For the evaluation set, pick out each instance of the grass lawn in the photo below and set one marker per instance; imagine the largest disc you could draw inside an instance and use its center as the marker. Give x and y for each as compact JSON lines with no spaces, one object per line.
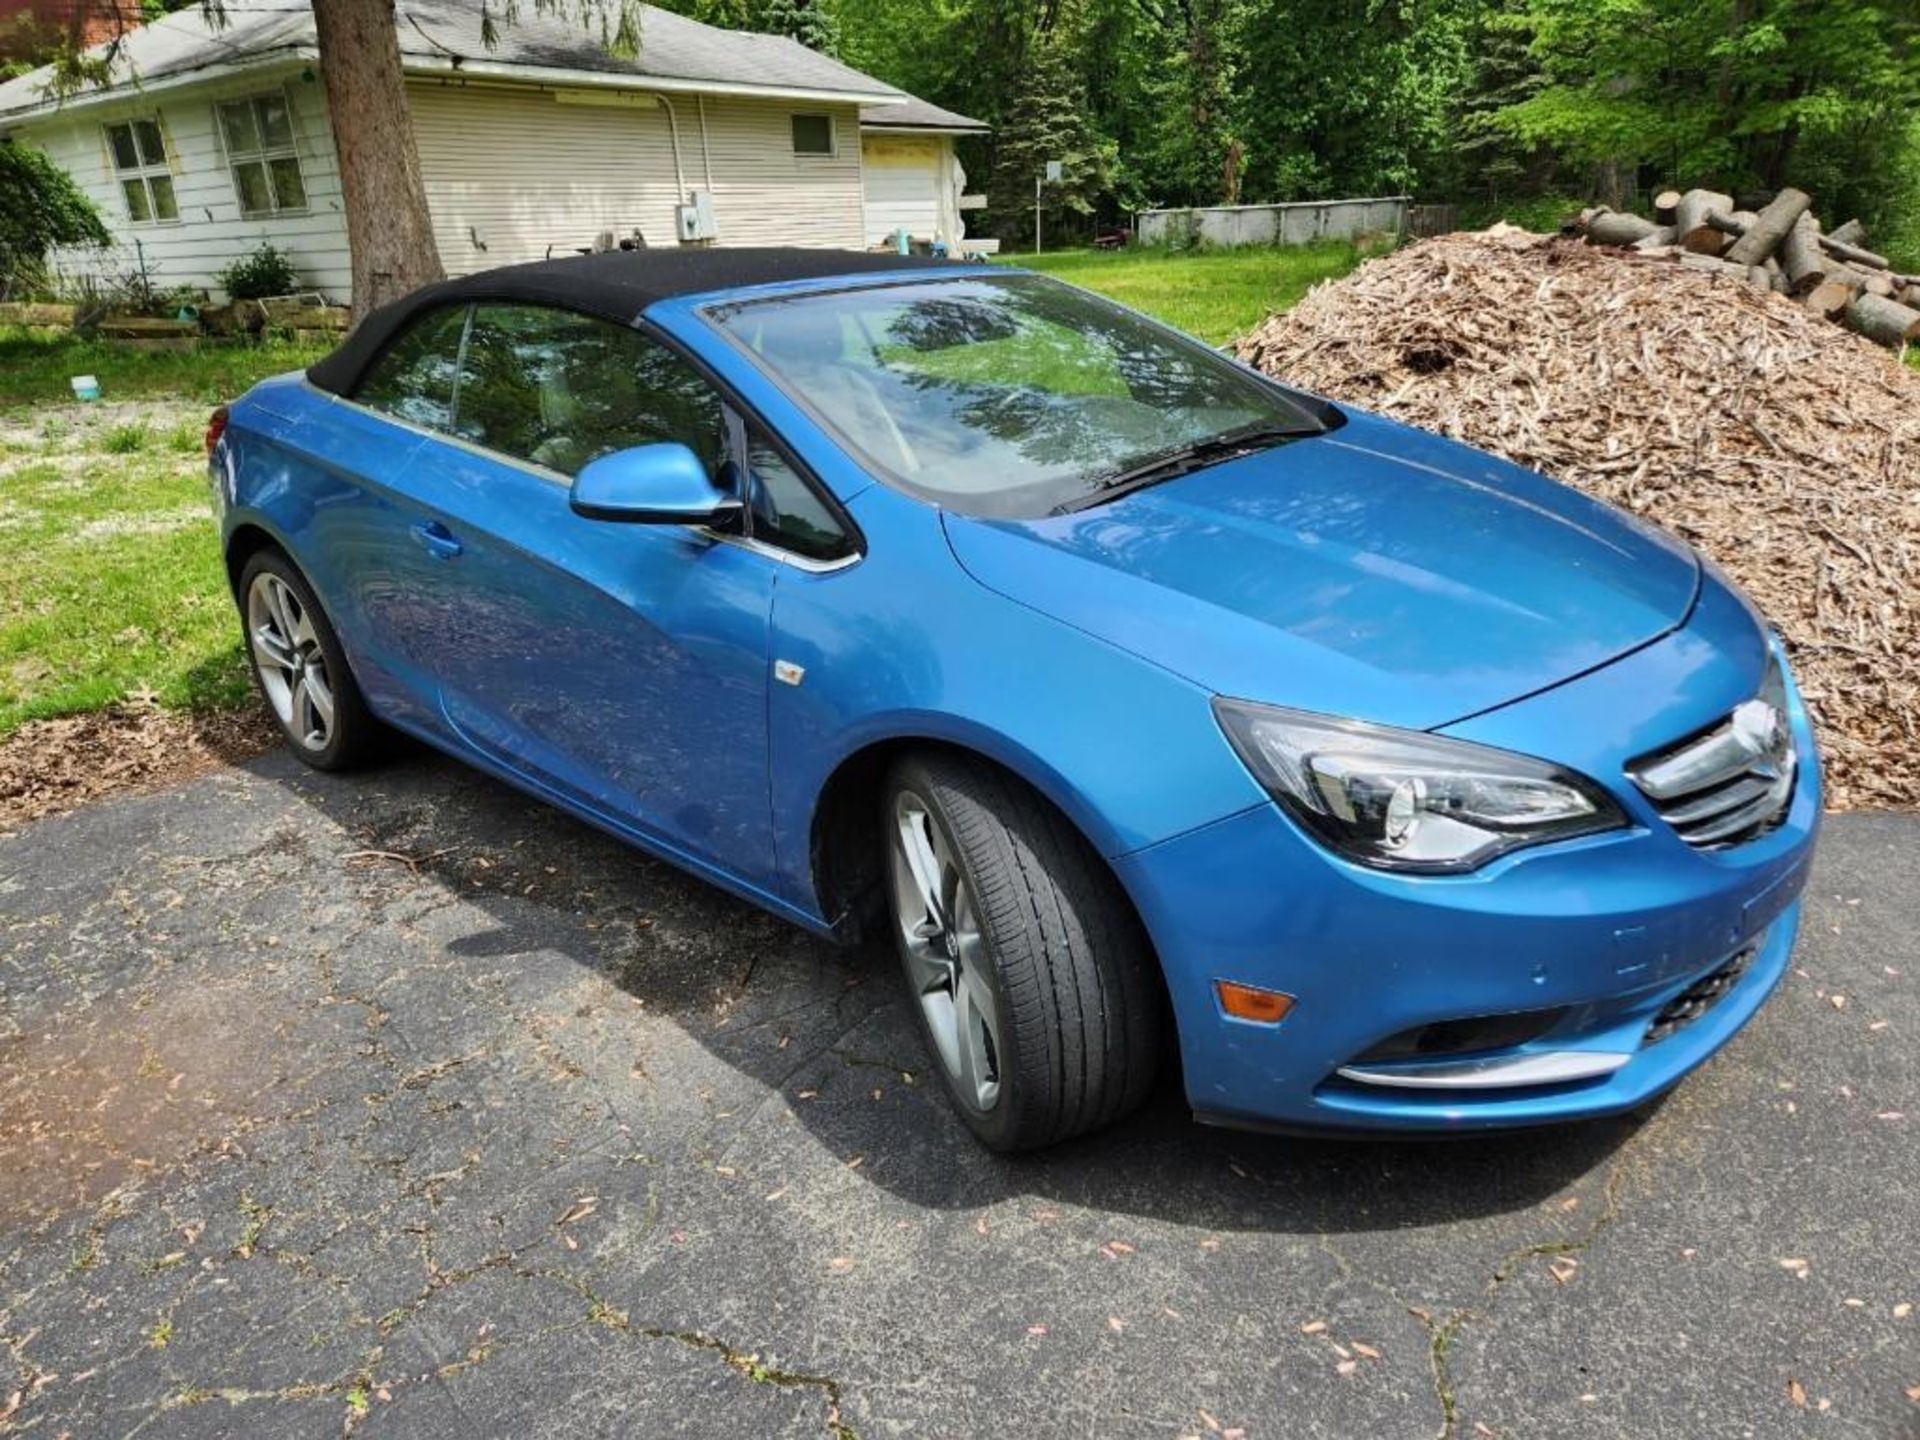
{"x":1217,"y":294}
{"x":110,"y":576}
{"x":35,"y":369}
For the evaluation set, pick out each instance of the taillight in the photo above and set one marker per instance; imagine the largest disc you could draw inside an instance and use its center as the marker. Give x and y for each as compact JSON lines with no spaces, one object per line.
{"x":216,"y":427}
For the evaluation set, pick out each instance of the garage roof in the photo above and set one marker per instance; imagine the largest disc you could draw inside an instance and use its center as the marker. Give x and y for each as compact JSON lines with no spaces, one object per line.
{"x":918,"y":114}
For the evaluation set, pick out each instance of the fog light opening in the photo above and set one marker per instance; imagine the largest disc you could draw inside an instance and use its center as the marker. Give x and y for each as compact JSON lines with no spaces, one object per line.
{"x":1249,"y":1002}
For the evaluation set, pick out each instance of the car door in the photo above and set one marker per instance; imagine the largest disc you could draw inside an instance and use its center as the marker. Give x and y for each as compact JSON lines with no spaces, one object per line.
{"x":344,"y":517}
{"x":622,"y":666}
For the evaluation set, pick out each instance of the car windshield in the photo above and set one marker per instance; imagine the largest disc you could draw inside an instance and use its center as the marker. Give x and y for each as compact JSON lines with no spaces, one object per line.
{"x":1005,"y":395}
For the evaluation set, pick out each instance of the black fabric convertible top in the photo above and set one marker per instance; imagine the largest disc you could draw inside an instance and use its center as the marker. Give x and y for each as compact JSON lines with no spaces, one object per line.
{"x":616,"y":284}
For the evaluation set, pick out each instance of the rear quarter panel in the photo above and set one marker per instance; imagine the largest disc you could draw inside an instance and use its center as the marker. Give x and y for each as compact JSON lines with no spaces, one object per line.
{"x":308,"y":469}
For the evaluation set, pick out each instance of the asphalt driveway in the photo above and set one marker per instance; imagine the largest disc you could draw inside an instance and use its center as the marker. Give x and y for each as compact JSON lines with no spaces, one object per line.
{"x":402,"y":1105}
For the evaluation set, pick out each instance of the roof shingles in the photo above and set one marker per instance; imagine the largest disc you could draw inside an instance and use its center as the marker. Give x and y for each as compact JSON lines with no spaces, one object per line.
{"x":447,"y":33}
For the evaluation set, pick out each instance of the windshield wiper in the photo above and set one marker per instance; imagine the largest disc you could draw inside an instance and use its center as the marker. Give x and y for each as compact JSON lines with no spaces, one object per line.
{"x":1184,"y":460}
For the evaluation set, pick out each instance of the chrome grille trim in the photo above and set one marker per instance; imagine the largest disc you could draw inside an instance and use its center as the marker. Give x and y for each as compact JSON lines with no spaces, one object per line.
{"x":1732,"y":782}
{"x":1533,"y":1067}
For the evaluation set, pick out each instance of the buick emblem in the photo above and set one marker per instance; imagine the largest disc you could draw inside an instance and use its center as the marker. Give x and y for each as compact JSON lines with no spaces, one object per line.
{"x":1761,"y":730}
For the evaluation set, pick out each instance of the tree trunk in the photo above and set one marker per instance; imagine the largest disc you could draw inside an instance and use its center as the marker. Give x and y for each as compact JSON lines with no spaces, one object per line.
{"x":1618,"y":227}
{"x":1770,"y":227}
{"x":1665,"y":205}
{"x":1801,"y":256}
{"x":1883,"y":320}
{"x":1851,"y":233}
{"x":1879,"y":283}
{"x":1657,"y":240}
{"x":389,"y":231}
{"x":1690,"y":219}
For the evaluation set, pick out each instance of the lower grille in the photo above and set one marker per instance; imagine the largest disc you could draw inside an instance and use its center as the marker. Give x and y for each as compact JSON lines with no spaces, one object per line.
{"x":1462,"y":1037}
{"x":1732,"y":782}
{"x":1697,"y":999}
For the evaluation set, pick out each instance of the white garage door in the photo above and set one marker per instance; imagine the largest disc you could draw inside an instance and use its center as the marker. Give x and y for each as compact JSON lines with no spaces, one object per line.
{"x":902,"y":179}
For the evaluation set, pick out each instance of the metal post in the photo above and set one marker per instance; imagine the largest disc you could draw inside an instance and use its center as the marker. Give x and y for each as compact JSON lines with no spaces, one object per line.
{"x":1036,"y":214}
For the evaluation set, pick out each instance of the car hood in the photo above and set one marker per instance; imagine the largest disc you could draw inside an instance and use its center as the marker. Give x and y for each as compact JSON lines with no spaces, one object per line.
{"x":1376,"y":572}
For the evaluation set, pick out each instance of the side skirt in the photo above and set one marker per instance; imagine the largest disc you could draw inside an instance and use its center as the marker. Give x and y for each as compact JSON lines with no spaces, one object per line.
{"x":619,"y":829}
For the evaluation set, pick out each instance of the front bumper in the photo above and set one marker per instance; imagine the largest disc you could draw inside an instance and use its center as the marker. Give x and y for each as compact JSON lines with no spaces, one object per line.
{"x":1609,"y":931}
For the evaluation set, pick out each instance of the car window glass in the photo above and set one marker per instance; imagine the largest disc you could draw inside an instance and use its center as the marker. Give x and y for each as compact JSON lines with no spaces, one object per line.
{"x":786,"y":510}
{"x":1004,"y":395}
{"x":413,"y":380}
{"x":559,"y":389}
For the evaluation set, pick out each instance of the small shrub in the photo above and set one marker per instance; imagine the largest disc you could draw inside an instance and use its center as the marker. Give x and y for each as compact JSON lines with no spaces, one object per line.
{"x":125,"y":439}
{"x":267,"y":271}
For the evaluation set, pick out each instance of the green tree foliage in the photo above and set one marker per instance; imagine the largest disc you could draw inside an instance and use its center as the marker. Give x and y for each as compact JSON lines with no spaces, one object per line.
{"x":1183,"y":148}
{"x":807,"y":21}
{"x":1351,"y":96}
{"x":1048,"y":121}
{"x":1738,"y":93}
{"x":40,"y":208}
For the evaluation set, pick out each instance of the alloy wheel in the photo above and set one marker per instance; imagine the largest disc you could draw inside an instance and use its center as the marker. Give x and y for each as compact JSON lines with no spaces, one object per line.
{"x":945,"y":954}
{"x":292,"y":666}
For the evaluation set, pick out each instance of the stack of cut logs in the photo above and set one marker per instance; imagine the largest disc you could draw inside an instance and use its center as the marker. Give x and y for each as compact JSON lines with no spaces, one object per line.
{"x":1779,"y":247}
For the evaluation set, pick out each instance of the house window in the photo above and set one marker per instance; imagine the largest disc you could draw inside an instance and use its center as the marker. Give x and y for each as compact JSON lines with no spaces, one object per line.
{"x":813,"y":135}
{"x":259,"y":139}
{"x":140,"y":165}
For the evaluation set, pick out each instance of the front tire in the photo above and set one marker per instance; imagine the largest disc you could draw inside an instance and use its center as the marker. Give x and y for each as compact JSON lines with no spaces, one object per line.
{"x":1032,"y":979}
{"x":299,"y":667}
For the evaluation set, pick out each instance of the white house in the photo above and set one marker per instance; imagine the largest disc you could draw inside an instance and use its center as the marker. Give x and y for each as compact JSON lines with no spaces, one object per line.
{"x":213,"y":139}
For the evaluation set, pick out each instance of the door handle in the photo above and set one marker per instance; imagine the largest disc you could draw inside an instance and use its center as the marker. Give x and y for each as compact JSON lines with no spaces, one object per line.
{"x":436,"y":540}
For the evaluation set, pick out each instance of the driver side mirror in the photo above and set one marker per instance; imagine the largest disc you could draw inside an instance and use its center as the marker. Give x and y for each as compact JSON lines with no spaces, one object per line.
{"x":662,"y":484}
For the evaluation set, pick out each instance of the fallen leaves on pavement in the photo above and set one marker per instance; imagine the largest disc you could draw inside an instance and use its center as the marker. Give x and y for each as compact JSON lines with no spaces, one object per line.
{"x":48,"y":767}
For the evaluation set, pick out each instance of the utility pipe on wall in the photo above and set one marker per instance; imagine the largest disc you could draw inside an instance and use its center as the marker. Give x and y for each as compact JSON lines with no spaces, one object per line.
{"x":673,"y":133}
{"x":706,"y":155}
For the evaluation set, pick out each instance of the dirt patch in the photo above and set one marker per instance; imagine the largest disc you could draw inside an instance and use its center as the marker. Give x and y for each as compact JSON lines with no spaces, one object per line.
{"x":1784,"y":448}
{"x":123,"y":1090}
{"x":48,"y":767}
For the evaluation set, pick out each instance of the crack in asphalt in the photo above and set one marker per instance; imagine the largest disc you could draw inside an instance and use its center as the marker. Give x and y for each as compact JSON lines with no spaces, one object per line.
{"x":747,"y":1364}
{"x":1443,"y":1332}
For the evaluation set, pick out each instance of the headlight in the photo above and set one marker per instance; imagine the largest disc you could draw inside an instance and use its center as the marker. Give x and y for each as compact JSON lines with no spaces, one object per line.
{"x":1405,"y":800}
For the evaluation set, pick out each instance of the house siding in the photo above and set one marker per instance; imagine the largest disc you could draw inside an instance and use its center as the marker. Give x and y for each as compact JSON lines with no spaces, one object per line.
{"x":210,"y":233}
{"x":517,"y":173}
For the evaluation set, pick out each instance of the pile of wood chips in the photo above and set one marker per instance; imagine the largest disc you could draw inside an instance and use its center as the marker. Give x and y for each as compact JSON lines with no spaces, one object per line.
{"x":1783,"y":447}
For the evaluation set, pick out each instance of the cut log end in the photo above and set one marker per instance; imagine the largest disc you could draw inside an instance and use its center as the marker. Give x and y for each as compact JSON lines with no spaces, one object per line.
{"x":1690,"y":219}
{"x":1830,"y":298}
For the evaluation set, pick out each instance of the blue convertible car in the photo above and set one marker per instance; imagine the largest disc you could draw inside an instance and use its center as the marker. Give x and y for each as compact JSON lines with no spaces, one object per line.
{"x":1148,"y":704}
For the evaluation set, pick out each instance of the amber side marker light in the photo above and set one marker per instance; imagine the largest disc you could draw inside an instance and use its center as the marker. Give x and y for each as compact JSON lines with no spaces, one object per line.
{"x":1244,"y":1002}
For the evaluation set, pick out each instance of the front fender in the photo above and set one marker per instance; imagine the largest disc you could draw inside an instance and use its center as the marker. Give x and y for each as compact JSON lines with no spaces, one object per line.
{"x":906,"y":645}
